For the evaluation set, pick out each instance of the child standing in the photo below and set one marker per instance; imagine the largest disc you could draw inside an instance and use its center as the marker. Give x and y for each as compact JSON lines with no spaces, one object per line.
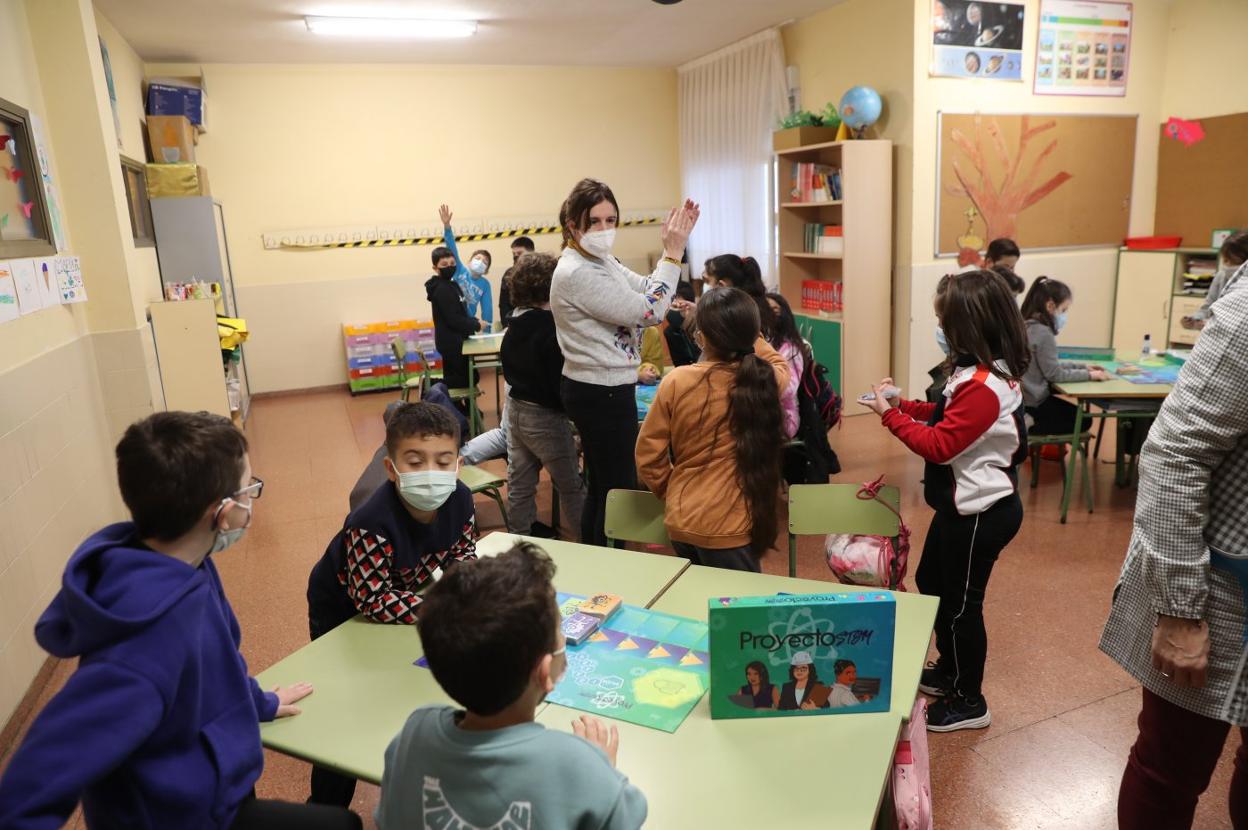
{"x":538,"y":432}
{"x":1044,"y":310}
{"x":159,"y":724}
{"x":452,"y":324}
{"x":489,"y":764}
{"x":788,"y":341}
{"x":470,"y":275}
{"x":973,"y":440}
{"x":711,"y":444}
{"x":1231,"y":256}
{"x":393,"y":546}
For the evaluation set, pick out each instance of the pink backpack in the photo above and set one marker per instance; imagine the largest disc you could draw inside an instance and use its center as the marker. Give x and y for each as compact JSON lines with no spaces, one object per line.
{"x":912,"y":782}
{"x":870,"y":561}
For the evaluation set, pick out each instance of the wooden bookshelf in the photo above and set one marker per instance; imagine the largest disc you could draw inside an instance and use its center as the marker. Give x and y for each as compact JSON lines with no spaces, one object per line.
{"x":858,"y":338}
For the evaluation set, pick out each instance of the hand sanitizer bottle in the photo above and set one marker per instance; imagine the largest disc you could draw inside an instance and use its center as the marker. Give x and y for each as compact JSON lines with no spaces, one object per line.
{"x":1148,"y":345}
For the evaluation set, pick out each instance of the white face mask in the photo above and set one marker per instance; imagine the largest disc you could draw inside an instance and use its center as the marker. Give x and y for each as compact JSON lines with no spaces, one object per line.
{"x":225,"y":538}
{"x":598,"y":243}
{"x":427,"y":489}
{"x":477,"y":266}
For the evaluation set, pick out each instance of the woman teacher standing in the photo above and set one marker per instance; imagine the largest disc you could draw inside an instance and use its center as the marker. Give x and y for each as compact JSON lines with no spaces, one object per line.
{"x":600,"y":308}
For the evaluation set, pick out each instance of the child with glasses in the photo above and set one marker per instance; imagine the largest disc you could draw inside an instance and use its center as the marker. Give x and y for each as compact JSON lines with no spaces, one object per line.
{"x":159,"y":724}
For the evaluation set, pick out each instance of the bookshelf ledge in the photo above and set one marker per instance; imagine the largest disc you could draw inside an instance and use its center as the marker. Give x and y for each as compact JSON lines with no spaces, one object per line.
{"x":797,"y":255}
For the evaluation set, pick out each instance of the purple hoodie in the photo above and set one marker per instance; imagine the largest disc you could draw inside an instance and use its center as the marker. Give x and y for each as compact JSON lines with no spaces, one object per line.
{"x":159,"y":725}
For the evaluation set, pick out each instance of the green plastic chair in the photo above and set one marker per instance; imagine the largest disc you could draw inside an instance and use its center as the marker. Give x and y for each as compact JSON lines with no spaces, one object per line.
{"x":1035,"y":444}
{"x":635,"y":516}
{"x":398,"y":347}
{"x":820,"y":509}
{"x":482,"y":481}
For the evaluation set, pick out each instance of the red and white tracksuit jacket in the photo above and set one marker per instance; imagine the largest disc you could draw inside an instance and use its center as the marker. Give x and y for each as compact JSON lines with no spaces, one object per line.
{"x":973,"y":440}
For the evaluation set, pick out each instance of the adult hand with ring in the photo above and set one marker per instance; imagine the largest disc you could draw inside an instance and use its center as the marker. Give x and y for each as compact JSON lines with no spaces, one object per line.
{"x":1181,"y":650}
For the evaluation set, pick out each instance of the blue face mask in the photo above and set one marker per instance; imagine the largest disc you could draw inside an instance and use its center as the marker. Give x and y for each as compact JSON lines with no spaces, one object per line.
{"x":941,"y":341}
{"x":1059,"y":320}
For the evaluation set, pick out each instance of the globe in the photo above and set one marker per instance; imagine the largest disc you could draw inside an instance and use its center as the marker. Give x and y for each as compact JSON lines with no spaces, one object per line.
{"x":860,"y":107}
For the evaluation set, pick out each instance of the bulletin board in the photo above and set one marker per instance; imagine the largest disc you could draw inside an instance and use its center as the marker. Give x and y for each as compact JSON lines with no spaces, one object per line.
{"x":1203,"y":187}
{"x":1046,"y":181}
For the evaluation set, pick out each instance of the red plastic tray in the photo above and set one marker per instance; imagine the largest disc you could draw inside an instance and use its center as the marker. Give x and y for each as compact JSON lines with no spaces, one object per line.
{"x":1153,"y":243}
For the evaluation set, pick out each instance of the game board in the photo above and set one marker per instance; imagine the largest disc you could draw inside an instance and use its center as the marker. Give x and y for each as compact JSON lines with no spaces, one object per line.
{"x":642,"y":666}
{"x":1150,"y":371}
{"x":645,"y":396}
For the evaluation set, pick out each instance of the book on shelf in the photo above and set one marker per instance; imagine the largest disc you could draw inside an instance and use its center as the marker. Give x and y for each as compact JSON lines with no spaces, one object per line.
{"x":812,"y":182}
{"x":822,"y":239}
{"x":821,"y":295}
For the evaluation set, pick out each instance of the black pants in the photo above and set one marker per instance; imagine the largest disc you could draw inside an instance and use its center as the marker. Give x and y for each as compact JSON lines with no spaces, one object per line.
{"x":1053,"y":416}
{"x":328,"y":787}
{"x":606,"y":418}
{"x":263,"y":814}
{"x":957,"y":560}
{"x":455,"y":367}
{"x":731,"y":559}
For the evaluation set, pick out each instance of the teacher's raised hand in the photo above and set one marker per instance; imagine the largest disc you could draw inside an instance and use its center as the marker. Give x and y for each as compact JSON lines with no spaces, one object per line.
{"x":677,"y":228}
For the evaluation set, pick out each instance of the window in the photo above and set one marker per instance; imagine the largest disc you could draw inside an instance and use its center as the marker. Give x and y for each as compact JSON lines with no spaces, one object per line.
{"x":132,"y":173}
{"x":25,"y":229}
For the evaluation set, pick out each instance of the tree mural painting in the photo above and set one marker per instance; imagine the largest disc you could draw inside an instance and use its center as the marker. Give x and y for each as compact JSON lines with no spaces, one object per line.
{"x":999,"y":203}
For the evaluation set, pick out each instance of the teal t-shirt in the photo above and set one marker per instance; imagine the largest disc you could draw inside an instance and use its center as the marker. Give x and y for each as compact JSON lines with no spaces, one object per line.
{"x":522,"y":777}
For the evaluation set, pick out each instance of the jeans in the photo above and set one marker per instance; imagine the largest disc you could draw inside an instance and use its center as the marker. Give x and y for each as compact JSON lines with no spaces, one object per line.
{"x":731,"y":559}
{"x":1171,"y":764}
{"x":606,"y":418}
{"x":957,"y":560}
{"x":538,"y":437}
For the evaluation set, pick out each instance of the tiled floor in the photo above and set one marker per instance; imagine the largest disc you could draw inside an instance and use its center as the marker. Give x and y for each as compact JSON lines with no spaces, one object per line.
{"x":1063,"y":714}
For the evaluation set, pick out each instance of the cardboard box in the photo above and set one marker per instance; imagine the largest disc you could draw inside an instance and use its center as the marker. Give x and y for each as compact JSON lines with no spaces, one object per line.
{"x":801,"y":136}
{"x":170,"y":99}
{"x":176,"y":180}
{"x":839,"y":644}
{"x":172,"y":138}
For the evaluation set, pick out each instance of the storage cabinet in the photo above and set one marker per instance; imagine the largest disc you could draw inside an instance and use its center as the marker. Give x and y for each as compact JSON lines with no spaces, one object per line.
{"x":188,"y":352}
{"x":1150,"y":297}
{"x":853,"y":343}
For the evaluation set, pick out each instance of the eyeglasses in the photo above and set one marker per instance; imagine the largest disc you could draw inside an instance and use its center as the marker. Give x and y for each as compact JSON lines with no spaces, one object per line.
{"x":252,"y":490}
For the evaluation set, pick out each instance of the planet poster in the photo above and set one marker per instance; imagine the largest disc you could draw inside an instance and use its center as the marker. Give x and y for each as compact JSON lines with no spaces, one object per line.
{"x":975,"y":39}
{"x":1083,"y":48}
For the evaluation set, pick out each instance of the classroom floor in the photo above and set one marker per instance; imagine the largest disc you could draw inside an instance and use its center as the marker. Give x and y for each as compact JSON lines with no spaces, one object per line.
{"x":1063,"y":714}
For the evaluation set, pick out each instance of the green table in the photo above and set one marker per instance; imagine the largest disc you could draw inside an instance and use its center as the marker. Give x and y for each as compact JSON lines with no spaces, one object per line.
{"x":1086,"y":393}
{"x":482,"y":351}
{"x":783,"y":772}
{"x":365,"y":682}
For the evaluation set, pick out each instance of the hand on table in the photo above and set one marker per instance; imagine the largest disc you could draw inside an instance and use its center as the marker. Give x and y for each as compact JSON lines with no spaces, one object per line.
{"x":444,"y":213}
{"x":596,"y":732}
{"x":287,"y":696}
{"x":1181,"y":650}
{"x":808,"y":705}
{"x":679,"y":225}
{"x":647,"y":376}
{"x":1097,"y":373}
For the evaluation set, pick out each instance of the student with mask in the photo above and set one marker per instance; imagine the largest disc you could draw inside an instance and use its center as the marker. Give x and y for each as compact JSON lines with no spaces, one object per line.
{"x":452,"y":324}
{"x":470,"y":275}
{"x":393,"y":546}
{"x":1044,"y":310}
{"x":520,"y":246}
{"x":1231,"y":258}
{"x":600,"y":308}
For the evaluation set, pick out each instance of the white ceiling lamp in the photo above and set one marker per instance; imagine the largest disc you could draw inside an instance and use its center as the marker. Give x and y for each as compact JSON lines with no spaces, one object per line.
{"x":390,"y":27}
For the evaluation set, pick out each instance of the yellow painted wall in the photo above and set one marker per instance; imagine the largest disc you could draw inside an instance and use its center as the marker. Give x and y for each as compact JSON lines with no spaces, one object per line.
{"x":310,"y":145}
{"x":1090,"y":273}
{"x":1206,"y":62}
{"x":867,"y":42}
{"x":34,"y":334}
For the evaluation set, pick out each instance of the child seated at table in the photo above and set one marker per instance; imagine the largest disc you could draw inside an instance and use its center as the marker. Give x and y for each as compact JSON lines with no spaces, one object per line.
{"x":1044,"y":310}
{"x":539,"y":434}
{"x":393,"y":546}
{"x":489,"y":764}
{"x":159,"y":724}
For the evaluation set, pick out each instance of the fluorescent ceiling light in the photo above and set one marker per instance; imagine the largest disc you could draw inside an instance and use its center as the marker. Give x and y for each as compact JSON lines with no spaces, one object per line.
{"x":390,"y":27}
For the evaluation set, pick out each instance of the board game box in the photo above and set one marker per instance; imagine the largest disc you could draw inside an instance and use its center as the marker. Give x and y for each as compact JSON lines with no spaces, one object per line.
{"x":801,"y":654}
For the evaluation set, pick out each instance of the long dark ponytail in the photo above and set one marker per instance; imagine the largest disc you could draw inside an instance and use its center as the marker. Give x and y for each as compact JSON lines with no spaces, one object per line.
{"x":728,"y":321}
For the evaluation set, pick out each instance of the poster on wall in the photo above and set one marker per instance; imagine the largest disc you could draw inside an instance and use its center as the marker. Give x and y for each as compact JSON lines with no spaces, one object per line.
{"x":1045,"y":181}
{"x":112,"y":90}
{"x":69,"y":279}
{"x":29,"y":300}
{"x":1083,"y":48}
{"x":45,"y":275}
{"x":973,"y":39}
{"x":8,"y":295}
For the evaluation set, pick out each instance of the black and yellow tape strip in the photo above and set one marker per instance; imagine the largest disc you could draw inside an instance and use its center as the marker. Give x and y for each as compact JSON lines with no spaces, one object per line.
{"x":465,"y":237}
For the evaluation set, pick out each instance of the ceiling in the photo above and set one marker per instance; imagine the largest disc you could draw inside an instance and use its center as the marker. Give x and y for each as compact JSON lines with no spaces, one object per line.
{"x":535,"y":32}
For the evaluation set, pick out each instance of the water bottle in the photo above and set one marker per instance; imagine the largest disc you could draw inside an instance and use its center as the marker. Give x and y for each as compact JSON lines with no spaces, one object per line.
{"x":1148,"y":345}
